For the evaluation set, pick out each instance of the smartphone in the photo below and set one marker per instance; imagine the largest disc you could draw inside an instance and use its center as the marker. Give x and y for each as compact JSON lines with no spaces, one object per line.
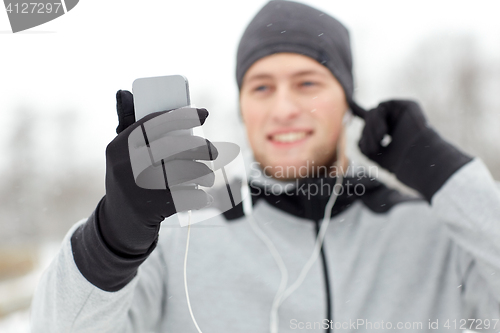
{"x":161,"y":93}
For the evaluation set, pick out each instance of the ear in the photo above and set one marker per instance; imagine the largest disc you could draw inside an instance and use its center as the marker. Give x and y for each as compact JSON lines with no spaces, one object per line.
{"x":240,"y":113}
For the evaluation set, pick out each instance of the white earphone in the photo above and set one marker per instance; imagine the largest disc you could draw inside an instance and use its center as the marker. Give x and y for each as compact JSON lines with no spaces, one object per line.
{"x":283,"y":292}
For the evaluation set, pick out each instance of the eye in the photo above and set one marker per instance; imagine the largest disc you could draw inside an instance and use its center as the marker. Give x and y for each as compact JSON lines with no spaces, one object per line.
{"x":308,"y":83}
{"x":261,"y":88}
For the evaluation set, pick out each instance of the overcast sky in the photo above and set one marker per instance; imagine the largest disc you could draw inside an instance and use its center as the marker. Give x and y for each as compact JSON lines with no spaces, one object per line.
{"x":81,"y":59}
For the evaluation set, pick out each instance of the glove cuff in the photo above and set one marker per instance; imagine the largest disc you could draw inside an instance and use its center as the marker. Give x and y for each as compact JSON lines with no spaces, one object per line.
{"x":97,"y":262}
{"x":429,"y":162}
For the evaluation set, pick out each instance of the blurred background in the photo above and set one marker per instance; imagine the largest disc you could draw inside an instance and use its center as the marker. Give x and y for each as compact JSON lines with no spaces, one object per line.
{"x":58,"y":85}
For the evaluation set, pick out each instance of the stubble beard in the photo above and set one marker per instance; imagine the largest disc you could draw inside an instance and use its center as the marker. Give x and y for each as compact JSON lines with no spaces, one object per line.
{"x":317,"y":166}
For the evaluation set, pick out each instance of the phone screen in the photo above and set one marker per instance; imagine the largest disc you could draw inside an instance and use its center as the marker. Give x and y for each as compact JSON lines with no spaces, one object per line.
{"x":160,"y":93}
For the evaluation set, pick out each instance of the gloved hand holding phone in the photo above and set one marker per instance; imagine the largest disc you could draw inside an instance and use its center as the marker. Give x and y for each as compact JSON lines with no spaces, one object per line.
{"x":123,"y":230}
{"x":416,"y":153}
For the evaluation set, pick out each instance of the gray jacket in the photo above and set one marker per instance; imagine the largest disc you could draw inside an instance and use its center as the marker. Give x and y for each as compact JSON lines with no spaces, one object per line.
{"x":388,"y":264}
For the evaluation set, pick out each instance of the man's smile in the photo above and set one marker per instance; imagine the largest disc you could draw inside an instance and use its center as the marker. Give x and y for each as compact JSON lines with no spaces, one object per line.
{"x":289,"y":137}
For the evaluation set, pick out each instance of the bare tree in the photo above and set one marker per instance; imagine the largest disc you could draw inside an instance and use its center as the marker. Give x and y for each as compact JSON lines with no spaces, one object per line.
{"x":42,"y":193}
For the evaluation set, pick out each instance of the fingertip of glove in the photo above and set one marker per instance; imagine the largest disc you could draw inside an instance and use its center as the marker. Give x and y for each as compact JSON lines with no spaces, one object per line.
{"x":362,"y":144}
{"x":124,"y":109}
{"x":357,"y":110}
{"x":202,"y":114}
{"x":212,"y":150}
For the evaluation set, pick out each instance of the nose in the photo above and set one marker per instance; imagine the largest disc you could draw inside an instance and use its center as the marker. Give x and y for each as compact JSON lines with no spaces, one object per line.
{"x":285,"y":106}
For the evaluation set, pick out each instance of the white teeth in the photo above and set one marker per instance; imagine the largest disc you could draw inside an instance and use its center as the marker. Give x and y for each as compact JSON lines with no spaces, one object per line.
{"x":289,"y":137}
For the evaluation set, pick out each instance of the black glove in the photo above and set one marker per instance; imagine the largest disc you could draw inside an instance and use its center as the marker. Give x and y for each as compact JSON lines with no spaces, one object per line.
{"x":123,"y":230}
{"x":416,"y":154}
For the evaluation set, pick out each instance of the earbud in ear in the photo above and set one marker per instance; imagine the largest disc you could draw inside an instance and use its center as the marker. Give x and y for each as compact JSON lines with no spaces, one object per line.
{"x":347,"y":117}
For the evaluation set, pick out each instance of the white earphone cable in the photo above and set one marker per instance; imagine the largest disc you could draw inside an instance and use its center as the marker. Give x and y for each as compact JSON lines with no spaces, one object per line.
{"x":284,"y":292}
{"x":185,"y":275}
{"x":319,"y":242}
{"x":282,"y":267}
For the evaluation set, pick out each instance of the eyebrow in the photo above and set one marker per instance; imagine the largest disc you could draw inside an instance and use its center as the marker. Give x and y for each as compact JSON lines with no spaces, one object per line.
{"x":298,"y":74}
{"x":258,"y":76}
{"x":308,"y":72}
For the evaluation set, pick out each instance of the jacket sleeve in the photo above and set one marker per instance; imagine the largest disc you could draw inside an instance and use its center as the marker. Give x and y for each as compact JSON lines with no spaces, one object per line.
{"x":65,"y":301}
{"x":469,"y":204}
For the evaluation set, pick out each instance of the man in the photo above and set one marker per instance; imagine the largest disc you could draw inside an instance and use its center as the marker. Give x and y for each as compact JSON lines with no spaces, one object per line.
{"x":387,"y":262}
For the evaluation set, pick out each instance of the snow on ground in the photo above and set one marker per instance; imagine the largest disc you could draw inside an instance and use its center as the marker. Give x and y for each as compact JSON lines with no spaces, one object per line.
{"x":16,"y":294}
{"x":17,"y":322}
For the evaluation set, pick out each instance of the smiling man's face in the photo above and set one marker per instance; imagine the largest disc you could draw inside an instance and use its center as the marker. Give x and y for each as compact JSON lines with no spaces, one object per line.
{"x":293,"y":108}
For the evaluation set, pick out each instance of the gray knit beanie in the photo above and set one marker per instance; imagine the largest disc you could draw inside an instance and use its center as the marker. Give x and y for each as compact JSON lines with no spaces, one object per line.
{"x":286,"y":26}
